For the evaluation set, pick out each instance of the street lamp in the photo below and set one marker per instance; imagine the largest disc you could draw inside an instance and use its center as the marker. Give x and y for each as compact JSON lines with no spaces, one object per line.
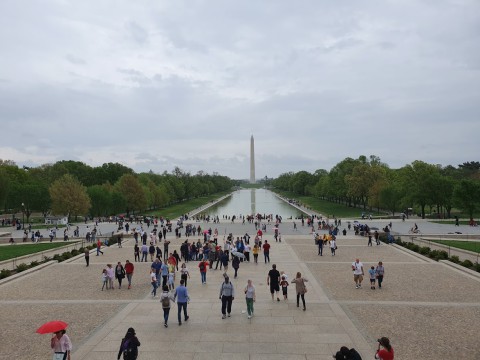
{"x":23,"y":216}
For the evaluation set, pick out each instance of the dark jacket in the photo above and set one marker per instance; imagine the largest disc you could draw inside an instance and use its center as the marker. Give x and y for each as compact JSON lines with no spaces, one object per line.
{"x":132,"y":343}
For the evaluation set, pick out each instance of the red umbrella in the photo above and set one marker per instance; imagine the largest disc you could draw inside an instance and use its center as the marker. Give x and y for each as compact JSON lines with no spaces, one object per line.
{"x":52,"y":326}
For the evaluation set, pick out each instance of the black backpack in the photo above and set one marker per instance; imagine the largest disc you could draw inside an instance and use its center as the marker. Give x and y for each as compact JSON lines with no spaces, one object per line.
{"x":129,"y":351}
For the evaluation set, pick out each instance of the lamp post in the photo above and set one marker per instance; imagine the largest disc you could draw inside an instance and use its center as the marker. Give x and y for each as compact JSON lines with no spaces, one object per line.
{"x":23,"y":216}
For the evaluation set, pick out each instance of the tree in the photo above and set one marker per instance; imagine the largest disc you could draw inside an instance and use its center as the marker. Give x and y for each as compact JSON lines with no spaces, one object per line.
{"x":133,"y":193}
{"x":466,"y":196}
{"x":69,"y":197}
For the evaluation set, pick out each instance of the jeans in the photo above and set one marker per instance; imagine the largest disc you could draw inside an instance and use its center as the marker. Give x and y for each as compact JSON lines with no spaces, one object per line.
{"x":154,"y":288}
{"x":249,"y":306}
{"x":144,"y":256}
{"x":380,"y":280}
{"x":226,"y":304}
{"x":204,"y":277}
{"x":166,"y":312}
{"x":267,"y":256}
{"x":303,"y":299}
{"x":185,"y":316}
{"x":129,"y":278}
{"x":236,"y":270}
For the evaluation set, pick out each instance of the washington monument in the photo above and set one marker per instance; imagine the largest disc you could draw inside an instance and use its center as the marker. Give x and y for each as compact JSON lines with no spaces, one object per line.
{"x":252,"y":161}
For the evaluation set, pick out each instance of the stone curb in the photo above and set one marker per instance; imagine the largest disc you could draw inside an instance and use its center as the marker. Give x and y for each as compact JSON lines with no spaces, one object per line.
{"x":446,"y":247}
{"x":26,"y":272}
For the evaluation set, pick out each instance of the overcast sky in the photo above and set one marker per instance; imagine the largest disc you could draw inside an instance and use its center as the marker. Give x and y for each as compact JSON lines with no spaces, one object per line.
{"x":159,"y":84}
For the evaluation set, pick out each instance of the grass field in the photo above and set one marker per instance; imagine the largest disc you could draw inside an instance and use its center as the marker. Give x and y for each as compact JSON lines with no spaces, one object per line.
{"x":12,"y":251}
{"x":326,"y":208}
{"x":465,"y":245}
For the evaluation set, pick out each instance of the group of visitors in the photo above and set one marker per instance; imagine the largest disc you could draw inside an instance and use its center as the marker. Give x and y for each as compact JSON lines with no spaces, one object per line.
{"x":119,"y":272}
{"x":375,"y":274}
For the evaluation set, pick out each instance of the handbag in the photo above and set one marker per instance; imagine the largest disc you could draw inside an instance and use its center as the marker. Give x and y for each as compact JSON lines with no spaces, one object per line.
{"x":304,"y":287}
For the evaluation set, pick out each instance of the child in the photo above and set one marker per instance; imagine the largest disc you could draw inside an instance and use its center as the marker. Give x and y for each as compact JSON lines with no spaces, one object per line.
{"x":171,"y":281}
{"x":373,"y":275}
{"x":104,"y":279}
{"x":284,"y":285}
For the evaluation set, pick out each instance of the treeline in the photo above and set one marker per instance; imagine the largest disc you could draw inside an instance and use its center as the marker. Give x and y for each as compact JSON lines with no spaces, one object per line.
{"x":73,"y":188}
{"x":369,"y":183}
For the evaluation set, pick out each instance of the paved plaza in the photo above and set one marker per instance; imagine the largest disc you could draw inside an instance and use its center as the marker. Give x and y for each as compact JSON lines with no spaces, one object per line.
{"x":428,"y":309}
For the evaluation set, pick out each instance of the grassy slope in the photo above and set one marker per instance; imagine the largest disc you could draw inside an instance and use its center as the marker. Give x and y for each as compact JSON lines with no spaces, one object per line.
{"x":465,"y":245}
{"x":12,"y":251}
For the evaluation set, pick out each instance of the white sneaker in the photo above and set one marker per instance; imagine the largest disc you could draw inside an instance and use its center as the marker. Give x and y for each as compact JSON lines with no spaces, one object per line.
{"x":249,"y":317}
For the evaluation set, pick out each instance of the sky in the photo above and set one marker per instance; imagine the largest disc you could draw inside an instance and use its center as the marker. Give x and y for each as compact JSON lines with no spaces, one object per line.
{"x":156,"y":85}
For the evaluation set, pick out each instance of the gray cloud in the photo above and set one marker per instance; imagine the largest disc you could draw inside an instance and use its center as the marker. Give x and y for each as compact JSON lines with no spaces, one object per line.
{"x":184,"y":84}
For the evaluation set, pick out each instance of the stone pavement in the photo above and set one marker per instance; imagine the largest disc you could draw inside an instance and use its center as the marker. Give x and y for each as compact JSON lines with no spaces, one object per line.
{"x":429,"y":310}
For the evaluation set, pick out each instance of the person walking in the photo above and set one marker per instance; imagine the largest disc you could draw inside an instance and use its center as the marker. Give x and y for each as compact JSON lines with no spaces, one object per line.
{"x":119,"y":274}
{"x":273,"y":280}
{"x":144,"y":253}
{"x":87,"y":256}
{"x":380,"y":272}
{"x":320,"y":246}
{"x":99,"y":246}
{"x":166,"y":298}
{"x":181,"y":295}
{"x":357,"y":268}
{"x":301,"y":289}
{"x":129,"y":272}
{"x":129,"y":346}
{"x":61,"y":345}
{"x":266,"y":251}
{"x":333,"y":246}
{"x":249,"y":297}
{"x":203,"y":270}
{"x":184,"y":274}
{"x":246,"y":251}
{"x":110,"y":276}
{"x":136,"y":252}
{"x":255,"y":251}
{"x":224,"y":260}
{"x":235,"y":265}
{"x":153,"y":281}
{"x":227,"y":295}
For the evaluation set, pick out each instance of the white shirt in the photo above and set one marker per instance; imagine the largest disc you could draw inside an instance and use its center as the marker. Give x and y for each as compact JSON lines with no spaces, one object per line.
{"x":357,"y":268}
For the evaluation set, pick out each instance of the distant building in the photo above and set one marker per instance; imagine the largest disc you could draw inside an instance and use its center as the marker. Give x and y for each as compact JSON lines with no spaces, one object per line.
{"x":252,"y":161}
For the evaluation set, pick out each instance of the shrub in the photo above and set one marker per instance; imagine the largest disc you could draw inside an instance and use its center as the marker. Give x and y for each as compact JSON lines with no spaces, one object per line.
{"x":34,"y":263}
{"x":415,"y":247}
{"x":443,"y":255}
{"x":399,"y":242}
{"x":66,"y":255}
{"x":476,"y":267}
{"x":425,"y":250}
{"x":4,"y":273}
{"x":81,"y":250}
{"x":74,"y":252}
{"x":434,"y":254}
{"x":455,"y":259}
{"x":57,"y":257}
{"x":467,"y":263}
{"x":22,"y":267}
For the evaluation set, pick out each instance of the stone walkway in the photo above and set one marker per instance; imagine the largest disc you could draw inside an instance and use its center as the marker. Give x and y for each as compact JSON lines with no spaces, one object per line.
{"x":427,"y":309}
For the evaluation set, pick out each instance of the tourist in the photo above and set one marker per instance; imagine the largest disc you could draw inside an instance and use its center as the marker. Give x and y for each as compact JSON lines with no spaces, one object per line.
{"x":227,"y":295}
{"x":373,"y":276}
{"x":164,"y":272}
{"x":157,"y":265}
{"x":144,"y":253}
{"x":129,"y":346}
{"x":203,"y":270}
{"x":284,"y":284}
{"x":61,"y":345}
{"x":111,"y":276}
{"x":273,"y":280}
{"x":87,"y":256}
{"x":380,"y":271}
{"x":136,"y":252}
{"x":300,"y":288}
{"x":181,"y":295}
{"x":104,"y":279}
{"x":246,"y":252}
{"x":129,"y":272}
{"x":249,"y":297}
{"x":347,"y":354}
{"x":153,"y":281}
{"x":266,"y":251}
{"x":235,"y":265}
{"x":184,"y":274}
{"x":165,"y":299}
{"x":320,"y":246}
{"x":385,"y":350}
{"x":151,"y":251}
{"x":255,"y":251}
{"x":119,"y":274}
{"x":333,"y":246}
{"x":224,"y":260}
{"x":357,"y":268}
{"x":99,"y":245}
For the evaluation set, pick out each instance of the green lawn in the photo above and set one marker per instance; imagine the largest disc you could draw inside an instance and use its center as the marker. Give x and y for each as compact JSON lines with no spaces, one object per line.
{"x":12,"y":251}
{"x":326,"y":208}
{"x":174,"y":211}
{"x":465,"y":245}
